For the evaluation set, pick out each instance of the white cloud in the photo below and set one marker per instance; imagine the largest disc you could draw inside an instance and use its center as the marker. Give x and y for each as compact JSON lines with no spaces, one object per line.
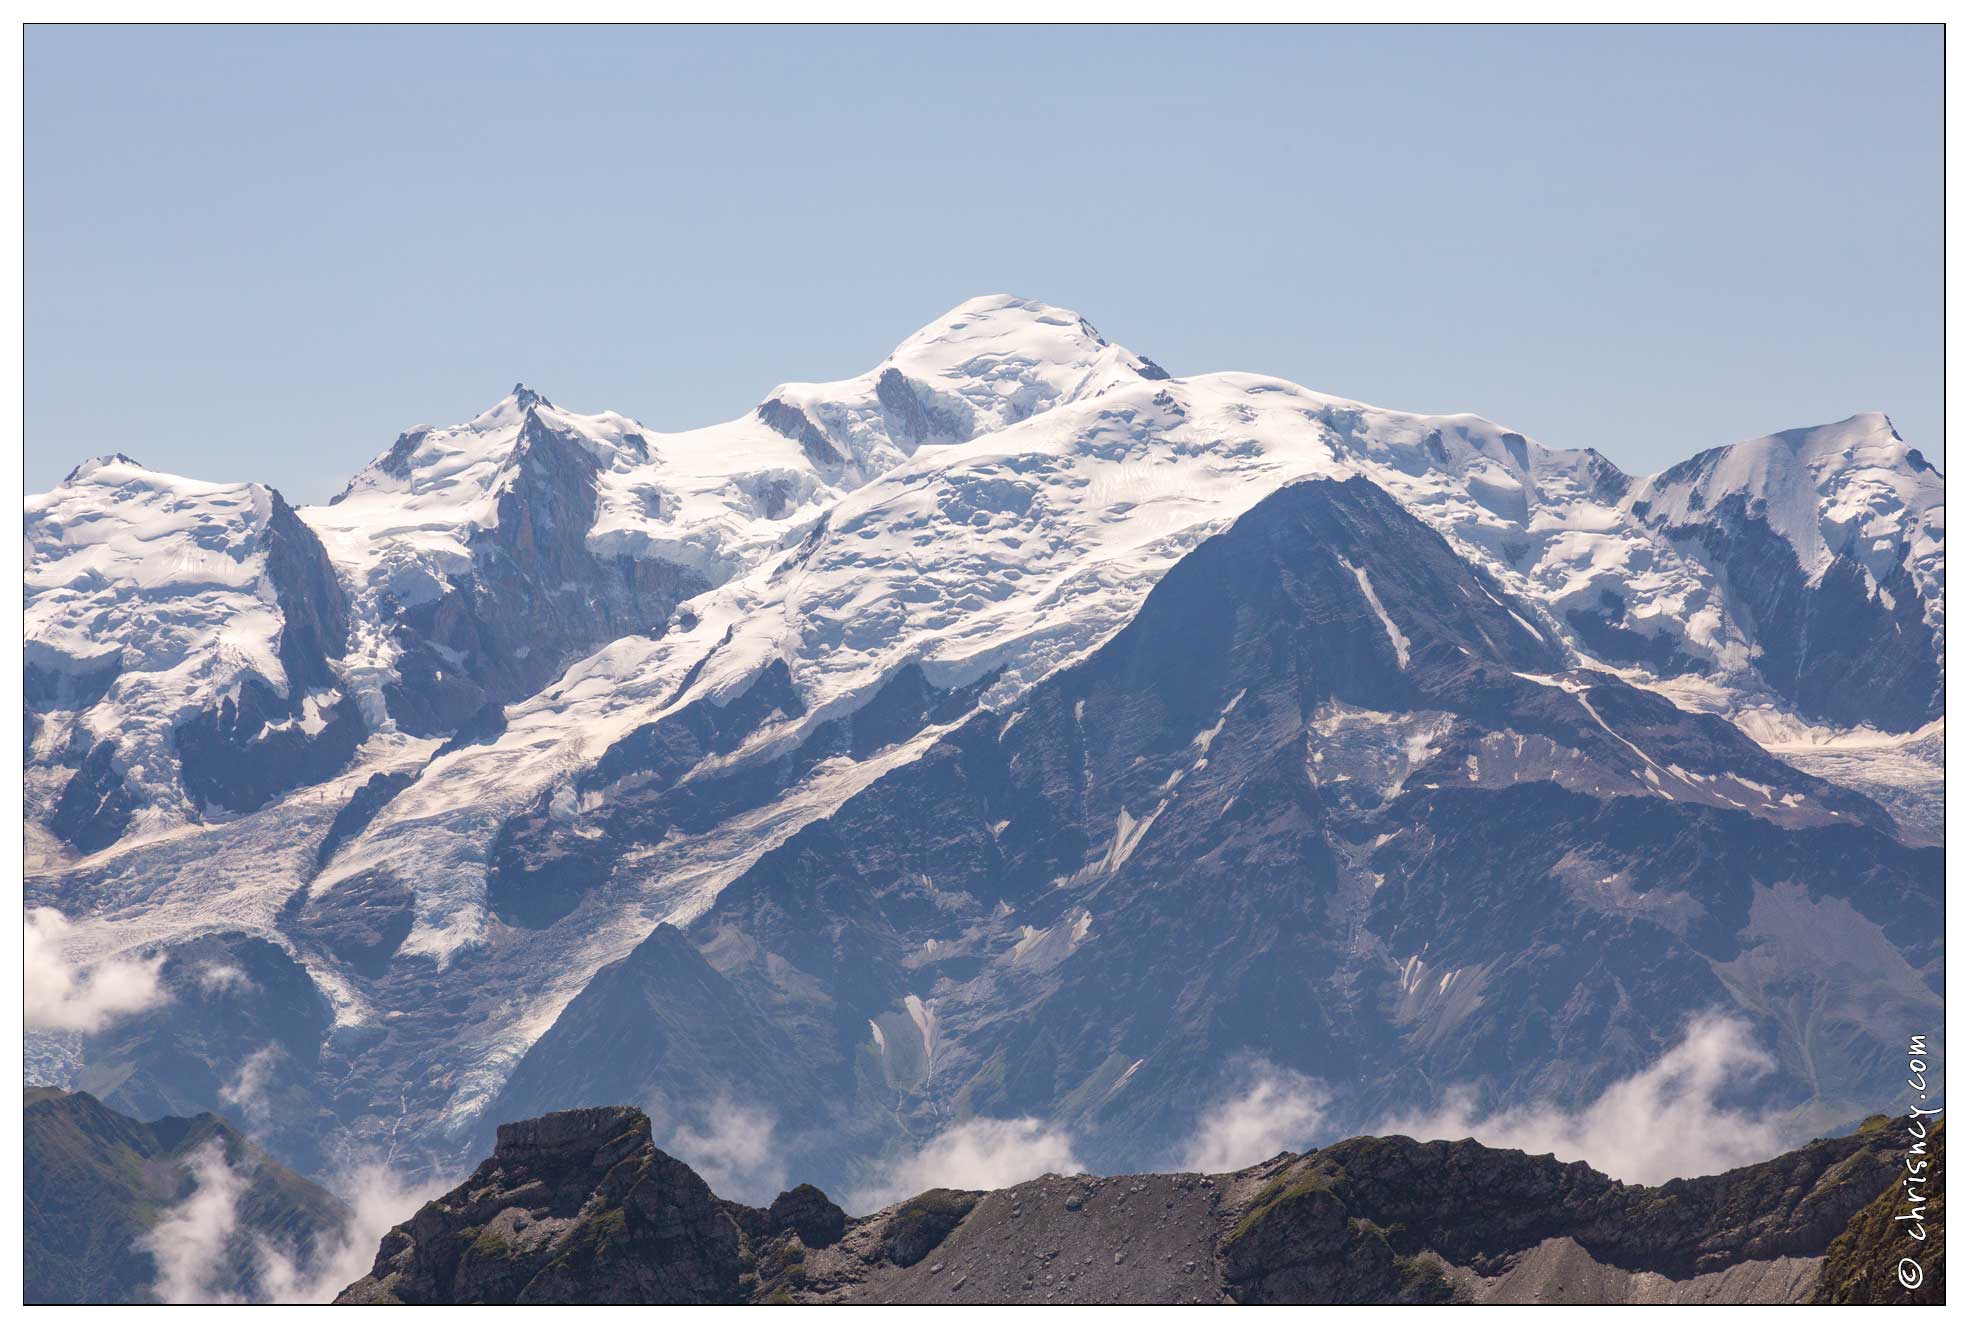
{"x":378,"y":1200}
{"x":1661,"y":1123}
{"x":732,"y":1149}
{"x":247,"y":1089}
{"x":217,"y":977}
{"x":61,"y":996}
{"x":984,"y":1153}
{"x":1279,"y":1110}
{"x":203,"y":1256}
{"x":189,"y":1239}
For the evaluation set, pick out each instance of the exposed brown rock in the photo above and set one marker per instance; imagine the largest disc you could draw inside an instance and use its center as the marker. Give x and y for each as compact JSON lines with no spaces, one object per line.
{"x":573,"y":1207}
{"x":1864,"y":1265}
{"x":582,"y":1207}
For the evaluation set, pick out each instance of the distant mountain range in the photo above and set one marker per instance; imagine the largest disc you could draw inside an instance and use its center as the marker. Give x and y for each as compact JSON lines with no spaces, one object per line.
{"x":1016,"y":732}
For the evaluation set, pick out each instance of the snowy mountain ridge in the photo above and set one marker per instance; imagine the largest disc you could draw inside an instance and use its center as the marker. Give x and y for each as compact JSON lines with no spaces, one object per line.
{"x":534,"y":684}
{"x":1851,"y":489}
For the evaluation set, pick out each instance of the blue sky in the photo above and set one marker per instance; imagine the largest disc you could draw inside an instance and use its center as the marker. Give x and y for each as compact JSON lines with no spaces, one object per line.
{"x":259,"y":253}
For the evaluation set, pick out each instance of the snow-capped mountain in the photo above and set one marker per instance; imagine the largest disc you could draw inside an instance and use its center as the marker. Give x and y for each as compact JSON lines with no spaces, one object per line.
{"x":179,"y":645}
{"x":897,"y":724}
{"x":1826,"y":546}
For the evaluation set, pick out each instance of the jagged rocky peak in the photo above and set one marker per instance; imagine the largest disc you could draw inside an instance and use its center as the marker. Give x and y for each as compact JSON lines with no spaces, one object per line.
{"x":526,"y":398}
{"x":440,"y":473}
{"x":89,"y":468}
{"x":582,"y":1207}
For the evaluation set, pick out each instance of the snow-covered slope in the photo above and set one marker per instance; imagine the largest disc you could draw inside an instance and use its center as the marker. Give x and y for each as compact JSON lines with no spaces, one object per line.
{"x":1853,"y":488}
{"x":162,"y":576}
{"x":1825,"y":549}
{"x":417,"y":524}
{"x":990,"y":362}
{"x":405,"y":524}
{"x":151,"y":599}
{"x":480,"y":559}
{"x":1552,"y":525}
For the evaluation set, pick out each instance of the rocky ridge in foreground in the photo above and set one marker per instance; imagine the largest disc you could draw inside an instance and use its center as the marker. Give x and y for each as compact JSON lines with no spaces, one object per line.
{"x":581,"y":1207}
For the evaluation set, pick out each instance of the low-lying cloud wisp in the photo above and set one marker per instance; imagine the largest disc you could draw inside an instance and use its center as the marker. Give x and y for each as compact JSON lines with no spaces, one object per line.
{"x":70,"y":999}
{"x":247,"y":1089}
{"x":984,"y":1153}
{"x":1659,"y":1123}
{"x":189,"y":1240}
{"x":732,"y":1148}
{"x":204,"y":1254}
{"x":1277,"y":1110}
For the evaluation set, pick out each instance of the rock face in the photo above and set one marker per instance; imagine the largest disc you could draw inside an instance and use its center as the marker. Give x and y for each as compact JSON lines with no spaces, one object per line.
{"x":97,"y":1180}
{"x":573,"y":1207}
{"x":1869,"y":1263}
{"x":581,"y":1207}
{"x":1323,"y":1223}
{"x":536,"y":596}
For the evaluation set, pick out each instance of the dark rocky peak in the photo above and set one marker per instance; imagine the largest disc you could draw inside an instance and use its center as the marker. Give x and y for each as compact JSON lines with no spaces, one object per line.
{"x":789,"y":421}
{"x":94,"y":464}
{"x":571,"y":1136}
{"x":914,"y":415}
{"x":526,"y":399}
{"x":1400,"y":615}
{"x":1152,"y":846}
{"x":806,"y":1211}
{"x":574,"y":1207}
